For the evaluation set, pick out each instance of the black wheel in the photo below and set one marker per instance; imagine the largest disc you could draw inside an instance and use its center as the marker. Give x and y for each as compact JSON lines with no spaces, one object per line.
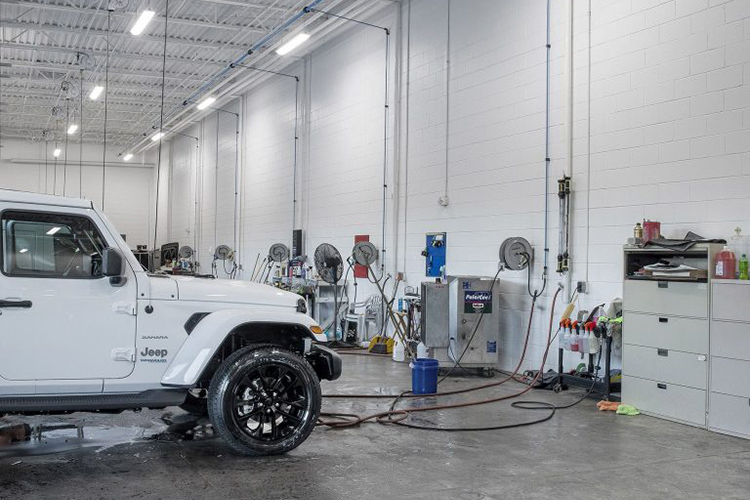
{"x":264,"y":401}
{"x":196,"y":403}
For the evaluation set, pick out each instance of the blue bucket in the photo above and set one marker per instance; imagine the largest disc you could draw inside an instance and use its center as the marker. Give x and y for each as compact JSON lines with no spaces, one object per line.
{"x":424,"y":376}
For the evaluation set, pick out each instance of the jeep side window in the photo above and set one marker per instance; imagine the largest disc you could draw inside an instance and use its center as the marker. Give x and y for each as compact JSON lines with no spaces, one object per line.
{"x":50,"y":245}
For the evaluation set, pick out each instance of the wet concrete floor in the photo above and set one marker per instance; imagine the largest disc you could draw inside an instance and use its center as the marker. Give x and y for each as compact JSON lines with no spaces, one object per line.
{"x":579,"y":453}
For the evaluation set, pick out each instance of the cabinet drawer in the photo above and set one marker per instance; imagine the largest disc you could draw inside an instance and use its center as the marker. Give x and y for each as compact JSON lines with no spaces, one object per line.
{"x":729,"y":414}
{"x":671,"y":401}
{"x":730,"y":376}
{"x":665,"y":365}
{"x":730,"y":301}
{"x":730,"y":340}
{"x":684,"y":334}
{"x":666,"y":297}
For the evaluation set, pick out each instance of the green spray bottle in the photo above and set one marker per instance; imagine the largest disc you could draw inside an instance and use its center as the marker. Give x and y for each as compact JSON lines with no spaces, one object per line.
{"x":743,"y":267}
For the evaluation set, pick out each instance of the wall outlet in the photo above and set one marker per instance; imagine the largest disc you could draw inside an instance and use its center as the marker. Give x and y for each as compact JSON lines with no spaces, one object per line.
{"x":582,"y":287}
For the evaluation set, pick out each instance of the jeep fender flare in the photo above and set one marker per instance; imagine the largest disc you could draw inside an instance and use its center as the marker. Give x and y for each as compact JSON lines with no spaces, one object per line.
{"x":201,"y":345}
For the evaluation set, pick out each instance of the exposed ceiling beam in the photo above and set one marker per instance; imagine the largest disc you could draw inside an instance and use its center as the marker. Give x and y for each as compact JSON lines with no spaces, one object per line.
{"x":47,"y":27}
{"x":24,"y":84}
{"x":247,"y":4}
{"x":64,"y":68}
{"x":50,"y":99}
{"x":132,"y":14}
{"x":102,"y":53}
{"x":86,"y":118}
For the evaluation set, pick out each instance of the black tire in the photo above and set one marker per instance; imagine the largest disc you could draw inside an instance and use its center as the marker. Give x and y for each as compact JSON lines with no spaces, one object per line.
{"x":264,"y":401}
{"x":196,"y":405}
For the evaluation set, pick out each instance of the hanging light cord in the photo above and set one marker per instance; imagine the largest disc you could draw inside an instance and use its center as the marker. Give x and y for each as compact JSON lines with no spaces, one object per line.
{"x":106,"y":102}
{"x":65,"y":157}
{"x":161,"y":123}
{"x":80,"y":142}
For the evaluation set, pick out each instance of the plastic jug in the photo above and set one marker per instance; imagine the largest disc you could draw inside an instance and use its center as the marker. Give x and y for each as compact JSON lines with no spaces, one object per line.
{"x":399,"y":354}
{"x":726,"y":264}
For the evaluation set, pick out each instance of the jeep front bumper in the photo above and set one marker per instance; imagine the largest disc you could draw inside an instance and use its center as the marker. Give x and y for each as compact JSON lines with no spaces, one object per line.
{"x":326,"y":362}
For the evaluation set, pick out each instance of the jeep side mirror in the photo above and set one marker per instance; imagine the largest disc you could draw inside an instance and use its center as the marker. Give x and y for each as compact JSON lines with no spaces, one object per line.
{"x":112,"y":266}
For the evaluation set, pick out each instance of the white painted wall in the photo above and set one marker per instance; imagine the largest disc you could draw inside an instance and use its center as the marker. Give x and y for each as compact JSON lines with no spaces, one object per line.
{"x":669,"y":140}
{"x":30,"y":166}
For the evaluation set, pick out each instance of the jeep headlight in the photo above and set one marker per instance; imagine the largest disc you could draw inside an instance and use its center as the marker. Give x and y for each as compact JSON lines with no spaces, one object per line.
{"x":302,"y":306}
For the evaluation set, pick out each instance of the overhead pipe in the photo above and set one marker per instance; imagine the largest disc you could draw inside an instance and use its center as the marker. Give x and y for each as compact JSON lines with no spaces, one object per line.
{"x":547,"y":159}
{"x":236,"y":87}
{"x":296,"y":135}
{"x":161,"y":125}
{"x":255,"y":47}
{"x":386,"y":118}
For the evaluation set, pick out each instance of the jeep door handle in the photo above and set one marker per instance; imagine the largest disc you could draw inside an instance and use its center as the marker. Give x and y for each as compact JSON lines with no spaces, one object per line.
{"x":20,"y":304}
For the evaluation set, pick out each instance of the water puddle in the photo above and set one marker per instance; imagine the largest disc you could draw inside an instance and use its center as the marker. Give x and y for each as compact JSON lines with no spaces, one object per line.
{"x":48,"y":435}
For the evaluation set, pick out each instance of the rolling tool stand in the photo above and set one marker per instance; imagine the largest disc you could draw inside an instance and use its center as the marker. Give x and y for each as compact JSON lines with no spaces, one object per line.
{"x":604,"y":388}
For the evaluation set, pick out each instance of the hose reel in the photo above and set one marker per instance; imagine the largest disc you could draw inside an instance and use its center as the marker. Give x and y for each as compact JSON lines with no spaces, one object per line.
{"x":278,"y":252}
{"x":516,"y":253}
{"x":365,"y":253}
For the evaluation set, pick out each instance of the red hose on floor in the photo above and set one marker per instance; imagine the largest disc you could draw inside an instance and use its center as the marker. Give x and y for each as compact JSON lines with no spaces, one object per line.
{"x":394,"y":416}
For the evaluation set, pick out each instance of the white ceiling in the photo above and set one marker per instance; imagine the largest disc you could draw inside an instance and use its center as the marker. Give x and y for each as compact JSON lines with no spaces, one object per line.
{"x":42,"y":43}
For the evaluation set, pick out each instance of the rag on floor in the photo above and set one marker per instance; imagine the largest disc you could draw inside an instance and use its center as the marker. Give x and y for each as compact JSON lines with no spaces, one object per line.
{"x":618,"y":408}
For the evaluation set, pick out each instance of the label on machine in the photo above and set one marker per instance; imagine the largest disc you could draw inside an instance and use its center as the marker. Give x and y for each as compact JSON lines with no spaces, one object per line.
{"x":477,"y":302}
{"x":492,"y":346}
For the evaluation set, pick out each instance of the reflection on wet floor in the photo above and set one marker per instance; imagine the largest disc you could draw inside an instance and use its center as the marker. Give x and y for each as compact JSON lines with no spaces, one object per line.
{"x":45,"y":435}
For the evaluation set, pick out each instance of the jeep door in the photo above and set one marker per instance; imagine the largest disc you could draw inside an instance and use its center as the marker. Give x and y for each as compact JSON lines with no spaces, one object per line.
{"x":62,"y":324}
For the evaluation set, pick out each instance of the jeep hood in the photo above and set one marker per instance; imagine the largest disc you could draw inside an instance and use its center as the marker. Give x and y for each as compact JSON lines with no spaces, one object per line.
{"x":233,"y":292}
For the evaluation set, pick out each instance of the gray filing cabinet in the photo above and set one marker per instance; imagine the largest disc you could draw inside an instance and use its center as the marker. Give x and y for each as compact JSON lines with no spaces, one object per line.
{"x":666,"y":336}
{"x":729,"y":410}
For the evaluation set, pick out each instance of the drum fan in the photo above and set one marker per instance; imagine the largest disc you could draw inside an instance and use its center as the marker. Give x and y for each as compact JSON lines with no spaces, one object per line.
{"x":330,"y":267}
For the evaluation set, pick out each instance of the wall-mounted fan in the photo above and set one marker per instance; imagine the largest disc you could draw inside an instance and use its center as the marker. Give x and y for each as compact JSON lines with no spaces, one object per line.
{"x":186,"y":252}
{"x":365,"y":253}
{"x":516,"y":253}
{"x":278,"y":252}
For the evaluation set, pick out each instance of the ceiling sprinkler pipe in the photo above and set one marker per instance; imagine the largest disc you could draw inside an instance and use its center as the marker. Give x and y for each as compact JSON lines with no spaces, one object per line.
{"x":175,"y":113}
{"x":259,"y":44}
{"x":547,"y":159}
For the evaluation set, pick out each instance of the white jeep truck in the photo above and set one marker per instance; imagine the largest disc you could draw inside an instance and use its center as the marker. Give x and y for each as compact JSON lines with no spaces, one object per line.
{"x":84,"y":328}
